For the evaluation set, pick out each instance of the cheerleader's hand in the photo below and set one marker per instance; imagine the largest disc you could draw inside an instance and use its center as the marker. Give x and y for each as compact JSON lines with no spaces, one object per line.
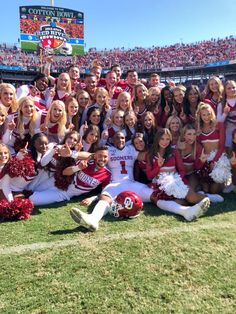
{"x":87,"y":201}
{"x":83,"y":164}
{"x":78,"y":147}
{"x":212,"y":164}
{"x":11,"y":125}
{"x":226,"y":109}
{"x":43,"y":128}
{"x":233,"y":159}
{"x":85,"y":126}
{"x":181,"y":145}
{"x":71,"y":127}
{"x":167,"y":109}
{"x":22,"y":152}
{"x":182,"y":115}
{"x":156,"y":110}
{"x":52,"y":92}
{"x":64,"y":151}
{"x":34,"y":91}
{"x":136,"y":109}
{"x":160,"y":160}
{"x":203,"y":157}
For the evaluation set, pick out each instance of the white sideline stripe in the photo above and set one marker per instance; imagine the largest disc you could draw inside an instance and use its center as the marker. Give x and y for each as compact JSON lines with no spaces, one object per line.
{"x":85,"y":242}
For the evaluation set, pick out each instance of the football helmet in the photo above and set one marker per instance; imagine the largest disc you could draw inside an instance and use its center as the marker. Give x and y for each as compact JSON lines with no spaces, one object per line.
{"x":127,"y":204}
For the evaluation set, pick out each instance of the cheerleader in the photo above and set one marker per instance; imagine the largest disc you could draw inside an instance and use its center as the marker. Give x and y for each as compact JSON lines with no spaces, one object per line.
{"x":148,"y":128}
{"x":140,"y":102}
{"x":192,"y":99}
{"x":124,"y":102}
{"x":93,"y":118}
{"x":174,"y":124}
{"x":26,"y":121}
{"x":13,"y":173}
{"x":91,"y":138}
{"x":72,"y":110}
{"x":233,"y":161}
{"x":102,"y":103}
{"x":165,"y":167}
{"x":61,"y":91}
{"x":166,"y":104}
{"x":192,"y":152}
{"x":53,"y":122}
{"x":84,"y":101}
{"x":213,"y":93}
{"x":140,"y":165}
{"x":8,"y":97}
{"x":129,"y":130}
{"x":117,"y":119}
{"x":178,"y":99}
{"x":215,"y":171}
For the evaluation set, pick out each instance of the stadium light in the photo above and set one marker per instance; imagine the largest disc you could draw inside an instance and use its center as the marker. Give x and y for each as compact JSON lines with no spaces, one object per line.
{"x":52,"y":3}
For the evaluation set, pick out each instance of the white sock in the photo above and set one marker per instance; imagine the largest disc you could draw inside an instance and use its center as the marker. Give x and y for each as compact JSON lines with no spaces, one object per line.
{"x":172,"y":207}
{"x":100,"y":210}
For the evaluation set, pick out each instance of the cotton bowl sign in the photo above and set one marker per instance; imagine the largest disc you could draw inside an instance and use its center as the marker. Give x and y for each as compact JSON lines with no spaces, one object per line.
{"x":57,"y":29}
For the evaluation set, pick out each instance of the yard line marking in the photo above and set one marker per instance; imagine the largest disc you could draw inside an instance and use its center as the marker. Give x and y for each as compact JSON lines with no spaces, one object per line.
{"x":21,"y":249}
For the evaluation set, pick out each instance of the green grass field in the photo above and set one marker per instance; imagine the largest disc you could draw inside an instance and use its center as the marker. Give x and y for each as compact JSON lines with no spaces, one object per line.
{"x":32,"y":46}
{"x":157,"y":263}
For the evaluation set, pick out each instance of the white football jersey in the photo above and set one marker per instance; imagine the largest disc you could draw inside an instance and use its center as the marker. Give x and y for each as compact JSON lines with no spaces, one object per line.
{"x":121,"y":162}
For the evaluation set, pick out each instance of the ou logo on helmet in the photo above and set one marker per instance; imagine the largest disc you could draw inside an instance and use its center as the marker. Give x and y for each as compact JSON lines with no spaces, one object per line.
{"x":128,"y":203}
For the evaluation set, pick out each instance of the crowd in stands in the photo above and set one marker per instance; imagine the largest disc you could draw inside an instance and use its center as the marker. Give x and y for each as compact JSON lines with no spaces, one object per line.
{"x":179,"y":54}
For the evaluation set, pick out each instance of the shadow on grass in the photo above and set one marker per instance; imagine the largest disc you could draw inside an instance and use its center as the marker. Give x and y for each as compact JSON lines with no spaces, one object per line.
{"x":70,"y":231}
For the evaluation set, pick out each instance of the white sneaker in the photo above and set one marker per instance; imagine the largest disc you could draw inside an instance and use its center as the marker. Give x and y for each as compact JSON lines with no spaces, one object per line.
{"x":83,"y":219}
{"x":215,"y":198}
{"x":229,"y":188}
{"x":197,"y":210}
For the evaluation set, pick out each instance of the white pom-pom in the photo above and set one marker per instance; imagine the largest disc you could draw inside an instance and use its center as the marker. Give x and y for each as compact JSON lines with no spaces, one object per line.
{"x":172,"y":184}
{"x":221,"y":172}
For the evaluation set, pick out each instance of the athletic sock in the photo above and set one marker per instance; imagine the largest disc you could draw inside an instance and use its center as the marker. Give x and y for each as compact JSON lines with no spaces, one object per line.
{"x":100,"y":210}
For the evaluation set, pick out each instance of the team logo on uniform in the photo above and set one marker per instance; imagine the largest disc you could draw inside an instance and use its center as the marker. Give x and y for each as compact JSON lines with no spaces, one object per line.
{"x":52,"y":36}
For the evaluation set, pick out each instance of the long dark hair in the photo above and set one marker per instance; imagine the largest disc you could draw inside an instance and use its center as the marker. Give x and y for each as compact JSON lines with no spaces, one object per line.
{"x":156,"y":147}
{"x":186,"y":103}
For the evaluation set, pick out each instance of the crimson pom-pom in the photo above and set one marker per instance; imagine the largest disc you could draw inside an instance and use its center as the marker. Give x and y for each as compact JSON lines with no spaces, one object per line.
{"x":18,"y":209}
{"x":20,"y":168}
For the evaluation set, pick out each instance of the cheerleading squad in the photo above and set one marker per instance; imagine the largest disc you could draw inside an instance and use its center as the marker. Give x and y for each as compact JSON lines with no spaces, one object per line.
{"x":129,"y":141}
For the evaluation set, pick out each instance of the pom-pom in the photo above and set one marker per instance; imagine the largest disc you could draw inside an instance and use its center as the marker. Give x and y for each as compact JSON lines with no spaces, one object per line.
{"x":172,"y":184}
{"x":221,"y":172}
{"x":20,"y":168}
{"x":18,"y":209}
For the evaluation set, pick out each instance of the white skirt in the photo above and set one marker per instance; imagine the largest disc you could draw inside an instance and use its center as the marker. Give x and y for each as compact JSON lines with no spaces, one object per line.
{"x":172,"y":184}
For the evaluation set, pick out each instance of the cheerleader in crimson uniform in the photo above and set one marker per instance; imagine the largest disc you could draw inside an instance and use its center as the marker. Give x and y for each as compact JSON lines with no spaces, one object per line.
{"x":233,"y":161}
{"x":129,"y":130}
{"x":154,"y":103}
{"x":192,"y":99}
{"x":124,"y":102}
{"x":117,"y":118}
{"x":214,"y":93}
{"x":8,"y":97}
{"x":165,"y":168}
{"x":36,"y":91}
{"x":53,"y":122}
{"x":216,"y":170}
{"x":61,"y":91}
{"x":192,"y":154}
{"x":73,"y":116}
{"x":174,"y":124}
{"x":14,"y":171}
{"x":25,"y":121}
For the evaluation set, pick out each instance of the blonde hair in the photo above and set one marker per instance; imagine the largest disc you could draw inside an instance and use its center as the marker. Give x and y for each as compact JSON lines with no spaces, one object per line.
{"x":169,"y":120}
{"x":209,"y":93}
{"x":115,"y":112}
{"x":68,"y":88}
{"x":104,"y":92}
{"x":7,"y":148}
{"x":14,"y":105}
{"x":62,"y":121}
{"x":20,"y":119}
{"x":202,"y":106}
{"x":119,"y":99}
{"x":186,"y":128}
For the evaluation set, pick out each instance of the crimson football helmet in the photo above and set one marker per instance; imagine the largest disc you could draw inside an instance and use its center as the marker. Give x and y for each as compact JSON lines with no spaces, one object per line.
{"x":127,"y":205}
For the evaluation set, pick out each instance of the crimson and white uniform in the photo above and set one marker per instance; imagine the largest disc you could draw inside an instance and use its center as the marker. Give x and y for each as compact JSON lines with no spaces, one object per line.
{"x":121,"y":164}
{"x":39,"y":99}
{"x":84,"y":181}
